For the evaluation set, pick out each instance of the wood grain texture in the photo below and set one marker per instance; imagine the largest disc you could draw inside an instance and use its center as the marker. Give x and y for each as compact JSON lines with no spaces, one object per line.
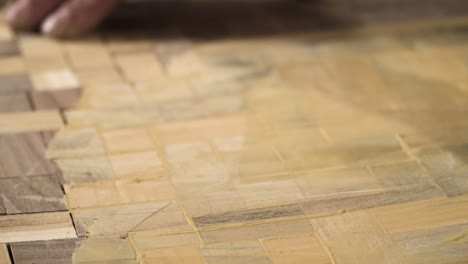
{"x":240,"y":132}
{"x":33,"y":227}
{"x":32,"y":194}
{"x":447,"y":167}
{"x":445,"y":244}
{"x":248,"y":215}
{"x":23,"y":155}
{"x":113,"y":249}
{"x":4,"y":255}
{"x":30,"y":121}
{"x":422,"y":215}
{"x":296,"y":249}
{"x":356,"y":241}
{"x":51,"y":251}
{"x":236,"y":252}
{"x":225,"y":235}
{"x":123,"y":219}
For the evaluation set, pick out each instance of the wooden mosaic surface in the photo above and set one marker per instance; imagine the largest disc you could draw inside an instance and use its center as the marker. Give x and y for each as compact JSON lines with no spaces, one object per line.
{"x":284,"y":132}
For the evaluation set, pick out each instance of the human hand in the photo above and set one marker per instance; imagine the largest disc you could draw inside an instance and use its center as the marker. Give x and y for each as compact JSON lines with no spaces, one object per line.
{"x":59,"y":18}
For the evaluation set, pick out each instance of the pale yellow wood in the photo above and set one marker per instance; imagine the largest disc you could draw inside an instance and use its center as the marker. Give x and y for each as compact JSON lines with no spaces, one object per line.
{"x":128,"y":191}
{"x":30,"y":121}
{"x":141,"y":66}
{"x":127,"y":43}
{"x":356,"y":237}
{"x":224,"y":235}
{"x":12,"y":65}
{"x":111,"y":119}
{"x":261,"y":194}
{"x":123,"y":219}
{"x":446,"y":244}
{"x":107,"y":95}
{"x":37,"y":46}
{"x":335,"y":182}
{"x":88,"y":53}
{"x":53,"y":80}
{"x":236,"y":252}
{"x":186,"y":254}
{"x":115,"y":249}
{"x":70,"y":143}
{"x":163,"y":90}
{"x":87,"y":169}
{"x":185,"y":64}
{"x":202,"y":129}
{"x":139,"y":164}
{"x":422,"y":215}
{"x":5,"y":32}
{"x":260,"y":148}
{"x":128,"y":140}
{"x":98,"y":76}
{"x":4,"y":256}
{"x":296,"y":249}
{"x":32,"y":227}
{"x":147,"y":241}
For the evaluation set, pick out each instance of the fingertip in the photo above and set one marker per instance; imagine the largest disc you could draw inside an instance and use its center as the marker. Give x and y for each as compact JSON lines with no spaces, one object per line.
{"x":49,"y":26}
{"x":12,"y":16}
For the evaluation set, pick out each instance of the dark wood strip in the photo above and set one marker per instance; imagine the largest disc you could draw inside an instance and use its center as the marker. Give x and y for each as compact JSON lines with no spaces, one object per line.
{"x":61,"y":99}
{"x":18,"y":83}
{"x":352,"y":203}
{"x":14,"y":103}
{"x":248,"y":215}
{"x":24,"y":155}
{"x":8,"y":48}
{"x":44,"y":252}
{"x":32,"y":194}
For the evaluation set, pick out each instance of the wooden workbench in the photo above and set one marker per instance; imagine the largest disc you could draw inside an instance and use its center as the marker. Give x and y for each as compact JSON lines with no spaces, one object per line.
{"x":329,"y":131}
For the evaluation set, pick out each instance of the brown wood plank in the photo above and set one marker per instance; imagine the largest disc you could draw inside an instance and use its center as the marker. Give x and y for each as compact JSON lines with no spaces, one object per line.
{"x":14,"y":103}
{"x":236,"y":217}
{"x":2,"y":206}
{"x":8,"y":48}
{"x":15,"y":83}
{"x":23,"y":155}
{"x":32,"y":194}
{"x":59,"y":99}
{"x":44,"y":252}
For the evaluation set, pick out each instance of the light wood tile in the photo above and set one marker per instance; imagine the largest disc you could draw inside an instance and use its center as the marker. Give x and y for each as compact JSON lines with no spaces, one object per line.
{"x":30,"y":121}
{"x":296,"y":249}
{"x":356,"y":238}
{"x":422,"y":215}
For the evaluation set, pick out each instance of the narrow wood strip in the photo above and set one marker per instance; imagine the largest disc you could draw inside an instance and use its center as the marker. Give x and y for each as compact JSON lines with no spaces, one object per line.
{"x":423,"y":215}
{"x":4,"y":256}
{"x":28,"y":122}
{"x":33,"y":227}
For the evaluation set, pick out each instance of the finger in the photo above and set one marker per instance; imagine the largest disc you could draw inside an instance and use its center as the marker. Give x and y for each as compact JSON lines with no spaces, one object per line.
{"x":77,"y":16}
{"x":28,"y":14}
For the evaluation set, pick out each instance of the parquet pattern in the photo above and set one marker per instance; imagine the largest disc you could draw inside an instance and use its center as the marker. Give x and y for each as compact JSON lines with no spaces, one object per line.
{"x":267,"y":132}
